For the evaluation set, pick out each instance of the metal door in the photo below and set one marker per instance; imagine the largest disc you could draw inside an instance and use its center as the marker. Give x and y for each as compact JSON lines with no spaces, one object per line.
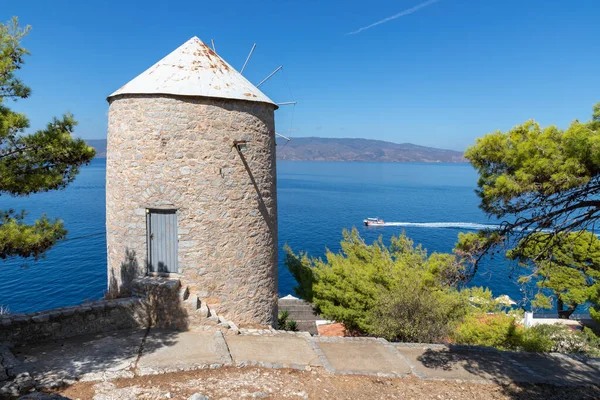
{"x":162,"y":240}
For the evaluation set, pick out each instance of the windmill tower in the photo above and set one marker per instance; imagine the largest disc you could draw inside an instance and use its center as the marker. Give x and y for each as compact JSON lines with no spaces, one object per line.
{"x":191,"y":184}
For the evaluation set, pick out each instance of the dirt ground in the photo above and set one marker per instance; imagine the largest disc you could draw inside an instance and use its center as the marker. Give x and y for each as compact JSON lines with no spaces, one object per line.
{"x":262,"y":383}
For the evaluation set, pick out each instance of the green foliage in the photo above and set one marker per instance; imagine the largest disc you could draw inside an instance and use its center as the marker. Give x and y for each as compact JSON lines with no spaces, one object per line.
{"x":530,"y":159}
{"x":300,"y":268}
{"x":366,"y":287}
{"x":23,"y":240}
{"x":536,"y":339}
{"x":541,"y":301}
{"x":401,"y":293}
{"x":284,"y":323}
{"x":567,"y":264}
{"x":596,"y":113}
{"x":501,"y":330}
{"x":472,"y":246}
{"x":291,"y":326}
{"x":593,"y":342}
{"x":498,"y":330}
{"x":564,"y":340}
{"x":537,"y":180}
{"x":48,"y":159}
{"x":412,"y":312}
{"x":282,"y":318}
{"x":11,"y":59}
{"x":595,"y":309}
{"x":558,"y":338}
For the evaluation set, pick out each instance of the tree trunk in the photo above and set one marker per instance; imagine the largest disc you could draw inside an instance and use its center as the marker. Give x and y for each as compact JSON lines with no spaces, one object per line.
{"x":562,"y":312}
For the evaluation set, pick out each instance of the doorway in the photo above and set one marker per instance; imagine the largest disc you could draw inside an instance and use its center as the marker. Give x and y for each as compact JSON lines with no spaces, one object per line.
{"x":161,"y":228}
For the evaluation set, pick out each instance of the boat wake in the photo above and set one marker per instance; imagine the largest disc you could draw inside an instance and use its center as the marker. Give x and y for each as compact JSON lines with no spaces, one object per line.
{"x":451,"y":225}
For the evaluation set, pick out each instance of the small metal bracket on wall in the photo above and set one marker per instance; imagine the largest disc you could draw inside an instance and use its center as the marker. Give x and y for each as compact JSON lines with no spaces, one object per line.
{"x":240,"y":145}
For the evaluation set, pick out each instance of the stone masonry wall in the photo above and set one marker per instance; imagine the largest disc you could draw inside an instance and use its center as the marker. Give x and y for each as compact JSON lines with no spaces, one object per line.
{"x":156,"y":303}
{"x":60,"y":323}
{"x":177,"y":153}
{"x":162,"y":302}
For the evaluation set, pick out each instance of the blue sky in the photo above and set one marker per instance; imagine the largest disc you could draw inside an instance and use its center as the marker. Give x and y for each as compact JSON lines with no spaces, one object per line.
{"x":441,"y":76}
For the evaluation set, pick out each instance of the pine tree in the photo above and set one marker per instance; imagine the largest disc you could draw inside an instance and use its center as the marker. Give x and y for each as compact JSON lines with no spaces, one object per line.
{"x":48,"y":159}
{"x":535,"y":180}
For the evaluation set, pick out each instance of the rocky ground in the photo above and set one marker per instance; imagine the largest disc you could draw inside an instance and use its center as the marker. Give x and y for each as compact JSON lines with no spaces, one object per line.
{"x":262,"y":383}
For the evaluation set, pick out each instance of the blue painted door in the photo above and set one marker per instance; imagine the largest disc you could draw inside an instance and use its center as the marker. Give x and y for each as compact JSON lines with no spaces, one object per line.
{"x":162,"y":240}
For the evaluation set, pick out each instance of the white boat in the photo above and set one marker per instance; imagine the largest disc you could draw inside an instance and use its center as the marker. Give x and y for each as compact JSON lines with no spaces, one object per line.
{"x":374,"y":221}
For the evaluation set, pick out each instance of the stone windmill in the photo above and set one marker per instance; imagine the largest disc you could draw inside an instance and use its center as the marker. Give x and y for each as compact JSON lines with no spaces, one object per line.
{"x":191,"y":185}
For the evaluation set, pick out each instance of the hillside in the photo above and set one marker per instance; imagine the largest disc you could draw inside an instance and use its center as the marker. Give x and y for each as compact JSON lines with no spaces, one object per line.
{"x":333,"y":149}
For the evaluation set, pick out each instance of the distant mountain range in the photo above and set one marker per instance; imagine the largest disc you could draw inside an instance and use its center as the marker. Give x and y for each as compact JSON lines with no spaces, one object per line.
{"x":333,"y":149}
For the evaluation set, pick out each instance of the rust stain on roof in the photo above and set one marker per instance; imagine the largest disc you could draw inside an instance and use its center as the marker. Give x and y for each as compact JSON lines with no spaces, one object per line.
{"x":194,"y":69}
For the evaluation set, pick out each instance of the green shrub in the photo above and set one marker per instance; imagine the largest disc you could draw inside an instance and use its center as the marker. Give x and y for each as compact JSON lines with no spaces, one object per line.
{"x":502,"y":332}
{"x":595,"y":308}
{"x":498,"y":330}
{"x":362,"y":285}
{"x":284,"y":324}
{"x":595,"y":313}
{"x":413,"y":313}
{"x":564,"y":340}
{"x":536,"y":339}
{"x":401,"y":293}
{"x":593,"y":342}
{"x":291,"y":326}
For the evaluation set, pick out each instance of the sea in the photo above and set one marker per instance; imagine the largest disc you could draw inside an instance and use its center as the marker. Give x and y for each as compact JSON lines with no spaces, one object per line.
{"x":431,"y":202}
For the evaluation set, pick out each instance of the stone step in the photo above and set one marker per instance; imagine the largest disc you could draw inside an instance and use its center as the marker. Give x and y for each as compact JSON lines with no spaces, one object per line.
{"x":307,"y":307}
{"x":200,"y":313}
{"x":307,"y":313}
{"x":307,"y":326}
{"x":292,"y":302}
{"x":303,"y":317}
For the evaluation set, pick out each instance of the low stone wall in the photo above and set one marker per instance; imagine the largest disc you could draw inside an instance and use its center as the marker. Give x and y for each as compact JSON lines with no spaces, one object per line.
{"x":60,"y":323}
{"x":156,"y":302}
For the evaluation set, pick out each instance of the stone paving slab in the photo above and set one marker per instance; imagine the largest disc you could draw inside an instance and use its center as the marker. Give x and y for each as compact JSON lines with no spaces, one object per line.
{"x":272,"y":351}
{"x":557,"y":369}
{"x":88,"y":357}
{"x":444,"y":363}
{"x":361,"y":356}
{"x":168,"y":351}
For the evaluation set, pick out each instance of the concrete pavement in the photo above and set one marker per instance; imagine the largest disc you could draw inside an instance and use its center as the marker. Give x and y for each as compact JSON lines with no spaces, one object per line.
{"x":284,"y":351}
{"x":166,"y":351}
{"x":129,"y":353}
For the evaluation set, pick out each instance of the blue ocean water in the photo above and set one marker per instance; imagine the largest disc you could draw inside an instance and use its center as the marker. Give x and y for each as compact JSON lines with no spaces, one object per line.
{"x":432,"y":203}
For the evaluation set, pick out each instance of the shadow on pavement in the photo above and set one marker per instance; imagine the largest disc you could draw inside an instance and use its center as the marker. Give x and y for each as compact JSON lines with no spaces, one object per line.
{"x":90,"y":357}
{"x":521,"y":375}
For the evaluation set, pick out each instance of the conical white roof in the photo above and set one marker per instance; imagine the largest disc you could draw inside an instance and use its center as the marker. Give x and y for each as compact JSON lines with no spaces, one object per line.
{"x":194,"y":69}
